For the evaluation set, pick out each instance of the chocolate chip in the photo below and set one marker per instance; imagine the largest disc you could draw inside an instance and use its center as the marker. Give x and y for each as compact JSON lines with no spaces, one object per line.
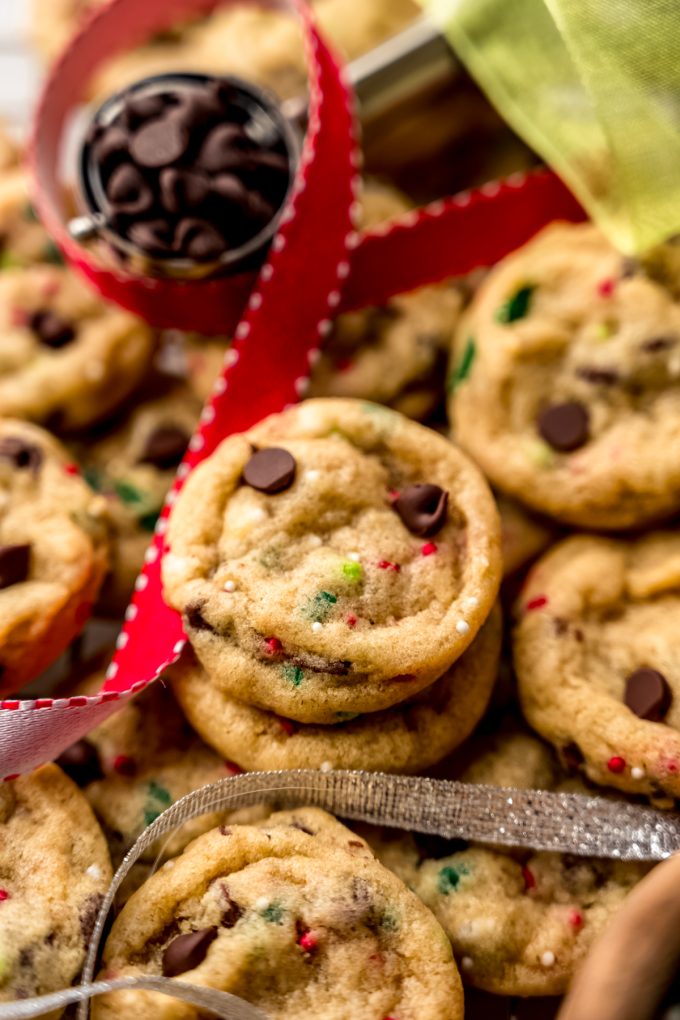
{"x":658,"y":343}
{"x":165,"y":447}
{"x":565,"y":427}
{"x":111,"y":149}
{"x":598,"y":376}
{"x":199,"y":240}
{"x":51,"y":329}
{"x":128,"y":192}
{"x":648,"y":694}
{"x":187,"y":951}
{"x":437,"y":847}
{"x":222,"y":149}
{"x":138,"y":108}
{"x":270,"y":470}
{"x":629,"y":267}
{"x":230,"y":188}
{"x":195,"y":619}
{"x":422,"y":508}
{"x":160,"y":142}
{"x":21,"y":454}
{"x":88,"y":915}
{"x":15,"y":561}
{"x":232,"y":913}
{"x":573,"y":756}
{"x":182,"y":190}
{"x":153,"y":236}
{"x":80,"y":761}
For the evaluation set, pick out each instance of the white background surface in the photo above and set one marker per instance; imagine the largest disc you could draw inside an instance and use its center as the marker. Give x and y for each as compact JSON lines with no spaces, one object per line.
{"x":19,"y":70}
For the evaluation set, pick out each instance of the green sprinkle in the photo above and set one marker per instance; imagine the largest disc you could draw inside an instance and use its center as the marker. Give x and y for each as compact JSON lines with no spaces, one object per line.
{"x":147,"y":522}
{"x":319,"y":607}
{"x":539,"y":453}
{"x":29,"y":213}
{"x":464,"y":366}
{"x":449,"y":878}
{"x":517,"y":306}
{"x":94,"y":478}
{"x":158,"y":800}
{"x":8,"y":261}
{"x":352,"y":571}
{"x":273,"y":913}
{"x":604,"y":330}
{"x":52,"y":254}
{"x":389,"y":921}
{"x":293,"y":674}
{"x":128,"y":493}
{"x":345,"y":716}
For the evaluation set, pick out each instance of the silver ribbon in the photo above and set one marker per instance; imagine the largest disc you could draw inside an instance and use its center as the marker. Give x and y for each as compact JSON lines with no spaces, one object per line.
{"x":530,"y":819}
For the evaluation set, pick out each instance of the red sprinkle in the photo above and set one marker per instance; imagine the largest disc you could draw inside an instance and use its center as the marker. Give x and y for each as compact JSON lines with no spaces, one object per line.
{"x":307,"y":942}
{"x":529,"y":879}
{"x":351,"y":620}
{"x":232,"y":769}
{"x":605,"y":288}
{"x":4,"y":895}
{"x":386,"y":565}
{"x":287,"y":726}
{"x":71,"y":469}
{"x":124,"y":765}
{"x":575,"y":918}
{"x":83,"y":613}
{"x":536,"y":603}
{"x":428,"y":549}
{"x":344,"y":365}
{"x":273,"y":645}
{"x":394,"y":495}
{"x":616,"y":764}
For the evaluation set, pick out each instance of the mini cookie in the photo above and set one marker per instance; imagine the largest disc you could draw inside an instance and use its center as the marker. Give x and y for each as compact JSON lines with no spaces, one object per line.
{"x":396,"y":354}
{"x":23,"y":239}
{"x":566,"y":382}
{"x":66,"y":358}
{"x":335,"y":558}
{"x":54,"y":871}
{"x":406,"y":738}
{"x":52,"y":551}
{"x":520,"y":922}
{"x":293,"y":914}
{"x":138,"y":763}
{"x":132,"y":465}
{"x":597,"y":658}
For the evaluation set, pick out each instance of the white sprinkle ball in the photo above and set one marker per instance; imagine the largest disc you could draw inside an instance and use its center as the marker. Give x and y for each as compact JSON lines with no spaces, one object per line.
{"x":261,"y":903}
{"x":94,"y":872}
{"x":637,"y":772}
{"x":354,"y":557}
{"x":467,"y":963}
{"x":548,"y":959}
{"x":229,"y":586}
{"x":316,"y":626}
{"x":463,"y":627}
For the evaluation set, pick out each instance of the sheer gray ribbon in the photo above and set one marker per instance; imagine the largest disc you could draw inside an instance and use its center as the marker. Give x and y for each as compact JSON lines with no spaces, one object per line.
{"x":530,"y":819}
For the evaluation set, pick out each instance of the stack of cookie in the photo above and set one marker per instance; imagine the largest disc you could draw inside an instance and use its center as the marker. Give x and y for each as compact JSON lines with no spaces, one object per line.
{"x":336,"y":569}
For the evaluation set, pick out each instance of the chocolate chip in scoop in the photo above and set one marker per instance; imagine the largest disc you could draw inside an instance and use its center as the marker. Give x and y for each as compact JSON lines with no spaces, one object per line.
{"x":15,"y":561}
{"x":270,"y":470}
{"x":648,"y":694}
{"x":565,"y":427}
{"x":187,"y":951}
{"x":422,"y":508}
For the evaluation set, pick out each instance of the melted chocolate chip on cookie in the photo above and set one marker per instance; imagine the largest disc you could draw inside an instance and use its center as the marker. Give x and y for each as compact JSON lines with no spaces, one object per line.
{"x":21,"y":453}
{"x":51,"y":329}
{"x":165,"y":447}
{"x":15,"y":561}
{"x":187,"y":951}
{"x":422,"y":508}
{"x":270,"y":470}
{"x":648,"y":694}
{"x":565,"y":427}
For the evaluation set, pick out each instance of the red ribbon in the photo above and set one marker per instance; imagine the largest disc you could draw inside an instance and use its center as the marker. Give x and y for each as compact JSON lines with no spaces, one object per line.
{"x":316,"y":267}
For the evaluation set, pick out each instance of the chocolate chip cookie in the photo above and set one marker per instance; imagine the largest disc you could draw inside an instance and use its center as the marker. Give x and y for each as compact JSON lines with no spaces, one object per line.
{"x":565,"y":386}
{"x":406,"y":738}
{"x":397,"y":354}
{"x":335,"y":558}
{"x":520,"y":922}
{"x":54,"y":871}
{"x":52,"y":551}
{"x":294,"y":915}
{"x":66,"y":358}
{"x":596,"y":656}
